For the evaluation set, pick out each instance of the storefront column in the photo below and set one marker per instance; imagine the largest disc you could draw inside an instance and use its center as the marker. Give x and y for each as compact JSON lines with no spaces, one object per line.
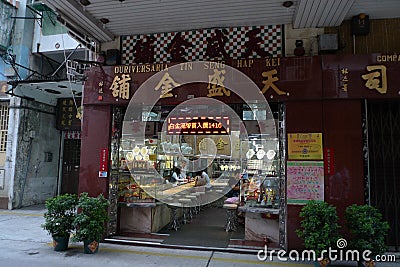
{"x":301,"y":117}
{"x":95,"y":137}
{"x":340,"y":121}
{"x":343,"y":134}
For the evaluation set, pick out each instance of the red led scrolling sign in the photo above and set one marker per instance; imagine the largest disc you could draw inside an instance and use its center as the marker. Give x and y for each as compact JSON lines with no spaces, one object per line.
{"x":198,"y":125}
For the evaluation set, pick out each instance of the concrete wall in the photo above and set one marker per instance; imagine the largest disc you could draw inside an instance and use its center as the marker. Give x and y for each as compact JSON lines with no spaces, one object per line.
{"x":35,"y":177}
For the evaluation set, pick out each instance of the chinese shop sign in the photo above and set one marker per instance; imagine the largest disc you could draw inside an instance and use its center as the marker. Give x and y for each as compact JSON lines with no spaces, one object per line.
{"x":376,"y":79}
{"x":213,"y":145}
{"x":120,"y":86}
{"x":361,"y":76}
{"x":198,"y":125}
{"x":305,"y":146}
{"x":305,"y":181}
{"x":166,"y":84}
{"x":68,"y":116}
{"x":203,"y":44}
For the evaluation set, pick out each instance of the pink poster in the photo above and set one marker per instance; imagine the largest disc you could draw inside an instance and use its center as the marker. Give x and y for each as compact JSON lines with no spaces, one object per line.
{"x":305,"y":181}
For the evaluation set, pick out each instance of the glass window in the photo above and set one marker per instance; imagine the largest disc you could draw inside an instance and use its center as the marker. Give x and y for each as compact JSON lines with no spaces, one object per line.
{"x":3,"y":126}
{"x":254,"y":112}
{"x":151,"y":115}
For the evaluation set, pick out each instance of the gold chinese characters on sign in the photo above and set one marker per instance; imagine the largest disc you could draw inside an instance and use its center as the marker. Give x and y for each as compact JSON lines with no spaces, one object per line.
{"x":376,"y":78}
{"x":344,"y":79}
{"x":68,"y":115}
{"x":216,"y":84}
{"x":120,"y":86}
{"x":269,"y":82}
{"x":210,"y":144}
{"x":166,"y":84}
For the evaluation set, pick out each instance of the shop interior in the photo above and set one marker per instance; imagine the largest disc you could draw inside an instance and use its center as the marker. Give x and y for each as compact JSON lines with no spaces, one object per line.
{"x":242,"y":204}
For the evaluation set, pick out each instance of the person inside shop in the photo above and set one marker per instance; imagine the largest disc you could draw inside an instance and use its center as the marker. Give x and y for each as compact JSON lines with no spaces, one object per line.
{"x":183,"y":167}
{"x":202,"y":179}
{"x":176,"y":177}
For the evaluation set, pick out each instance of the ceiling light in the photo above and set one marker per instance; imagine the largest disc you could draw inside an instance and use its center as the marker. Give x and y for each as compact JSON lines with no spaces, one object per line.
{"x":104,"y":20}
{"x":287,"y":4}
{"x":84,"y":2}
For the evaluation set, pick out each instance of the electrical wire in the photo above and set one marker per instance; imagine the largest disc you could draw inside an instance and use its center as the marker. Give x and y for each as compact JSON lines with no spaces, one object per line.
{"x":69,"y":78}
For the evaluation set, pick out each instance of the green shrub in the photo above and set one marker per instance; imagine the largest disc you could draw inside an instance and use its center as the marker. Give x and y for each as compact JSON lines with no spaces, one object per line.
{"x":319,"y":227}
{"x":91,"y":218}
{"x":367,"y":229}
{"x":60,"y":214}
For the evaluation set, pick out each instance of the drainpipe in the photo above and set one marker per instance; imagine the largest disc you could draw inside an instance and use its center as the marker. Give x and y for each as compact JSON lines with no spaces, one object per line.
{"x":60,"y":163}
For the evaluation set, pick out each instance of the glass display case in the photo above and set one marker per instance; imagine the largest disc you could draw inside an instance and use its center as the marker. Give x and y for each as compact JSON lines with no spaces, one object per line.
{"x":260,"y":182}
{"x":130,"y":192}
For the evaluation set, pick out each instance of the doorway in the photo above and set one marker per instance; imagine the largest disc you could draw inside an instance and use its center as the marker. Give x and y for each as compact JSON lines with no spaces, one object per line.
{"x":70,"y":166}
{"x":384,"y":168}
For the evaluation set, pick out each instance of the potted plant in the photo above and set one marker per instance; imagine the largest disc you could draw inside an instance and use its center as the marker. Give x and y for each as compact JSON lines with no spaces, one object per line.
{"x":367,"y":231}
{"x":90,"y":222}
{"x":319,"y":229}
{"x":59,"y":218}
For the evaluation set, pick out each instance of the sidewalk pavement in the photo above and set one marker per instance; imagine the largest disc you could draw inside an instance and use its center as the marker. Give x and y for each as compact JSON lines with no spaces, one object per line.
{"x":24,"y":243}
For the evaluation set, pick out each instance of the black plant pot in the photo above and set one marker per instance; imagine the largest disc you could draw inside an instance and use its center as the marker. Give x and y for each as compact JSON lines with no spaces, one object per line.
{"x":90,"y":246}
{"x":60,"y":243}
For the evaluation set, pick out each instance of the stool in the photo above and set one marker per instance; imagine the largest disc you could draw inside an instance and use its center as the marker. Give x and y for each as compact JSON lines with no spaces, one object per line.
{"x":231,"y":217}
{"x":192,"y":209}
{"x":221,"y":200}
{"x":198,"y":201}
{"x":173,"y":223}
{"x":185,"y":202}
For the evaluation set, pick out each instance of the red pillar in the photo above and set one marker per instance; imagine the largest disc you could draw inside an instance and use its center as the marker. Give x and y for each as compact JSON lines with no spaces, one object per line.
{"x":95,"y":136}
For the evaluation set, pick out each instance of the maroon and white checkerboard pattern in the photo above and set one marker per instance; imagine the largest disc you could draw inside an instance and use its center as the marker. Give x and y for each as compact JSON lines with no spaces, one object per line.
{"x":235,"y":47}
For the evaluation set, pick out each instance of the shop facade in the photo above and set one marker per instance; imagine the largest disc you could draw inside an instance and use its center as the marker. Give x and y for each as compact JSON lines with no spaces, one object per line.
{"x":320,"y":107}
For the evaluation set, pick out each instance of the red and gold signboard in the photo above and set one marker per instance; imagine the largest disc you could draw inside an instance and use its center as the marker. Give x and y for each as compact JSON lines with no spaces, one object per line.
{"x":361,"y":76}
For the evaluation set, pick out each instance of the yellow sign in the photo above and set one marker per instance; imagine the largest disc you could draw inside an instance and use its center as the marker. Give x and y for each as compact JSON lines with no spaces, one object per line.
{"x":305,"y":146}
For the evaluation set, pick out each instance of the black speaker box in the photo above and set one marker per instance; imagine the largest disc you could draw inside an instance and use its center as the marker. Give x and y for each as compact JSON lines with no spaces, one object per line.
{"x":360,"y":25}
{"x":113,"y":57}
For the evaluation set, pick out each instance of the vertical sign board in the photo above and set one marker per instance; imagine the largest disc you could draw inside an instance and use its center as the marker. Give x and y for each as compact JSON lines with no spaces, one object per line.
{"x":305,"y":146}
{"x":103,"y":171}
{"x":67,"y":115}
{"x":329,"y":161}
{"x":305,"y":181}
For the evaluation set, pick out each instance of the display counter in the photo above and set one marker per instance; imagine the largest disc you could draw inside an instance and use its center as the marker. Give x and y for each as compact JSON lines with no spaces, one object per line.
{"x":170,"y":192}
{"x":261,"y":224}
{"x":148,"y":215}
{"x":142,"y":217}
